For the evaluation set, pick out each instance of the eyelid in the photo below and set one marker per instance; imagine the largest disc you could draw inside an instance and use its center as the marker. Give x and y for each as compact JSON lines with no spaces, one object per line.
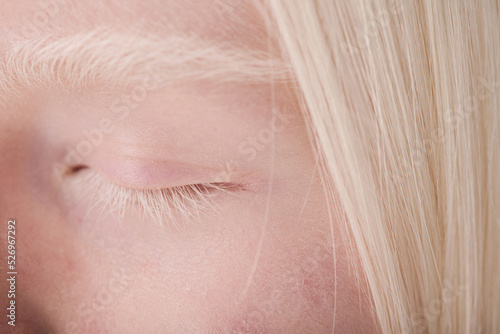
{"x":177,"y":204}
{"x":156,"y":174}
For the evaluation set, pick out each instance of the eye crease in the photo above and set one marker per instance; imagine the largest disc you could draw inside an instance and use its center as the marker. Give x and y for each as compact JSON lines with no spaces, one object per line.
{"x":173,"y":206}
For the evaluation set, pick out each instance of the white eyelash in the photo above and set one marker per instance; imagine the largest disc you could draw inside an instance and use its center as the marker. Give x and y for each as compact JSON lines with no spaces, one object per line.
{"x":176,"y":205}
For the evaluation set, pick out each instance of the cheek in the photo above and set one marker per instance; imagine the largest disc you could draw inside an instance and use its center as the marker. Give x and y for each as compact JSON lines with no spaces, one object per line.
{"x":218,"y":274}
{"x":292,"y":288}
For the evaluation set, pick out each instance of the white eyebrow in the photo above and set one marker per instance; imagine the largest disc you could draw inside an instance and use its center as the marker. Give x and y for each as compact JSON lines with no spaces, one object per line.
{"x":109,"y":58}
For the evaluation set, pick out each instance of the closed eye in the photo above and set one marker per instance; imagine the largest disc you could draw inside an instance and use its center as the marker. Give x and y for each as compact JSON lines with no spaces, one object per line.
{"x":175,"y":205}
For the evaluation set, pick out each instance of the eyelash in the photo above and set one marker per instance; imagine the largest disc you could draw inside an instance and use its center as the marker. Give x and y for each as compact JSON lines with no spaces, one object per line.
{"x":176,"y":205}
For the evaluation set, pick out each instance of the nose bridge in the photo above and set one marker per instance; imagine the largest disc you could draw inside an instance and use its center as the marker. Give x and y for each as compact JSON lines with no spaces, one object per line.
{"x":28,"y":194}
{"x":16,"y":140}
{"x":17,"y":198}
{"x":15,"y":206}
{"x":13,"y":152}
{"x":29,"y":188}
{"x":29,"y":150}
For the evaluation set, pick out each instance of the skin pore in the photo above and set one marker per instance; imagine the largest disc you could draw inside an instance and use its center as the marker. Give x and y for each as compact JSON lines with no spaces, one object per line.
{"x":256,"y":257}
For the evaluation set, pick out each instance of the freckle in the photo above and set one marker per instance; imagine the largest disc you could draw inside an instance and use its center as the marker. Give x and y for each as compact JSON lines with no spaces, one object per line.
{"x":311,"y":292}
{"x":316,"y":290}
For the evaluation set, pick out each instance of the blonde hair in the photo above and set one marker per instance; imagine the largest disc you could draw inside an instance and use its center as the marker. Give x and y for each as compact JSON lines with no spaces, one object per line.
{"x":403,"y":104}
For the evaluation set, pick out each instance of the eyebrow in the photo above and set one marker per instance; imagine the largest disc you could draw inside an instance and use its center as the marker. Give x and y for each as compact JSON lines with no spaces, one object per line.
{"x":118,"y":59}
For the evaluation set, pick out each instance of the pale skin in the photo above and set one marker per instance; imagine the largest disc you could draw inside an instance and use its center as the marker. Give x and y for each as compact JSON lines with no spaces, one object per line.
{"x":259,"y":261}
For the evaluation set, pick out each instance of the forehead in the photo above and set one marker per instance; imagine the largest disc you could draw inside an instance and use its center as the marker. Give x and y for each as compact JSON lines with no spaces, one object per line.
{"x":239,"y":22}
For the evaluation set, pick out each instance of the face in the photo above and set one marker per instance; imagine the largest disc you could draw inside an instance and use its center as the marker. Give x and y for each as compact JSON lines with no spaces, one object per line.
{"x":163,"y":194}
